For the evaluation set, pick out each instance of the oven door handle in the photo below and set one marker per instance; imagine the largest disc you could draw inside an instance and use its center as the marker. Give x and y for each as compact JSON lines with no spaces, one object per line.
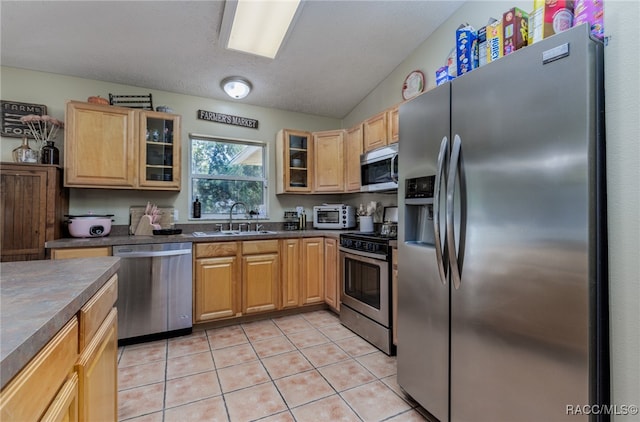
{"x":369,"y":257}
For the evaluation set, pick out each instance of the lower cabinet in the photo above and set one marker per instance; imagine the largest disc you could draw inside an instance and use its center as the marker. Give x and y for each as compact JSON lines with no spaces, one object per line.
{"x":217,"y":281}
{"x":97,"y":373}
{"x":260,"y":276}
{"x":332,"y":273}
{"x":312,"y":270}
{"x":290,"y":270}
{"x":80,"y":252}
{"x":28,"y":396}
{"x":74,"y":376}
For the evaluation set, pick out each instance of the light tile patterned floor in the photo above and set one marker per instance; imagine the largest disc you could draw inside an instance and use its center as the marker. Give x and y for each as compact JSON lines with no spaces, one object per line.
{"x":305,"y":367}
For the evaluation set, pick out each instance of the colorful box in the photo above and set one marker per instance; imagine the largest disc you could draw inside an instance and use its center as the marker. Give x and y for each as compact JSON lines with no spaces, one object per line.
{"x":482,"y":46}
{"x":466,"y":49}
{"x":536,"y":22}
{"x":443,"y":75}
{"x":550,"y":17}
{"x":591,"y":12}
{"x":515,"y":24}
{"x":495,"y":43}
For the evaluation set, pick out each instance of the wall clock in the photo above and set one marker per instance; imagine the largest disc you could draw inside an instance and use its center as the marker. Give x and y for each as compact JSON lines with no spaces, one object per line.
{"x":413,"y":84}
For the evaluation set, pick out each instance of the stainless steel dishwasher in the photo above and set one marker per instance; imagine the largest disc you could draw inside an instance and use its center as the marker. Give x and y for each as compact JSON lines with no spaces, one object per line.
{"x":154,"y":291}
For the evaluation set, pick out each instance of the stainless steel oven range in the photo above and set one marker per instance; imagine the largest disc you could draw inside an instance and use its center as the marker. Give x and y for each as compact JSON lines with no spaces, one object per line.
{"x":366,"y":288}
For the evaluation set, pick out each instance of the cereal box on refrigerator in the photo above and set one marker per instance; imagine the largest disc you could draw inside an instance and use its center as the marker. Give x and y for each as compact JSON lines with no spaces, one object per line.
{"x":591,"y":12}
{"x":466,"y":49}
{"x":494,"y":41}
{"x":515,"y":24}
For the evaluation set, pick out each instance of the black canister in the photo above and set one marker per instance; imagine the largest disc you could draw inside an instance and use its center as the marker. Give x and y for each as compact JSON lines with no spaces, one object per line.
{"x":49,"y":153}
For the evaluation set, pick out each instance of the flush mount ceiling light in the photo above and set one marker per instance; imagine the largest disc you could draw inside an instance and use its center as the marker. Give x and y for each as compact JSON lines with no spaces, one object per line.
{"x":236,"y":87}
{"x":257,"y":26}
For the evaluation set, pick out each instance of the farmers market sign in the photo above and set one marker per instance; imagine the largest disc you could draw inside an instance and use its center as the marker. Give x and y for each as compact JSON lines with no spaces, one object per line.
{"x":227,"y":119}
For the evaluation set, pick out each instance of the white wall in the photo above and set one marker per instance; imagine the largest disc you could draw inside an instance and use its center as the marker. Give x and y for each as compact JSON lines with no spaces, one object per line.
{"x":53,"y":91}
{"x":622,"y":97}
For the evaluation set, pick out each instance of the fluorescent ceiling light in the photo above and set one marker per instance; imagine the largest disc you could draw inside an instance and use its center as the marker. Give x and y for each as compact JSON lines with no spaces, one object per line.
{"x":236,"y":87}
{"x":260,"y":26}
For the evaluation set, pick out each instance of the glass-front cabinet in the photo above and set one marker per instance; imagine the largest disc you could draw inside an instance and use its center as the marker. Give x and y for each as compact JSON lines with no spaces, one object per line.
{"x":294,"y":161}
{"x":159,"y":150}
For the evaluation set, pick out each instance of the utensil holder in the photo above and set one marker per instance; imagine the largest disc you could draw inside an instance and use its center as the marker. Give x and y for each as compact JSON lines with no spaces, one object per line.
{"x":366,"y":223}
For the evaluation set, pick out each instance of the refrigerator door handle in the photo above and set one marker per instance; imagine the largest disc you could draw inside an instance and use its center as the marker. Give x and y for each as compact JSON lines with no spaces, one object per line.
{"x":444,"y":148}
{"x":451,"y":236}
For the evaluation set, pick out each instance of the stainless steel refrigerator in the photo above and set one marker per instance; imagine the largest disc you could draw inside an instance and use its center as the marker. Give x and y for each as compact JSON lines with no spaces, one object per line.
{"x":502,"y":292}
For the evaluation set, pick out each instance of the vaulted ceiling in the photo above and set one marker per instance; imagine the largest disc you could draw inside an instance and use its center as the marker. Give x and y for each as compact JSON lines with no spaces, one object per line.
{"x":337,"y":52}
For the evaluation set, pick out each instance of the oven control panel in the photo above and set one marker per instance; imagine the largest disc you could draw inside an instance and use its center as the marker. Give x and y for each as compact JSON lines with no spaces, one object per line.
{"x":366,"y":244}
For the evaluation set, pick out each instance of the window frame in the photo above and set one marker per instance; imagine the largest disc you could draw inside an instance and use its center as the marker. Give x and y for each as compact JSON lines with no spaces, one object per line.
{"x":264,"y":180}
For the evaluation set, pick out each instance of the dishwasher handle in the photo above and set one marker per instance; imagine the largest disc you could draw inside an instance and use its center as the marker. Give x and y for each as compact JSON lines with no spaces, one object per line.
{"x":151,"y":254}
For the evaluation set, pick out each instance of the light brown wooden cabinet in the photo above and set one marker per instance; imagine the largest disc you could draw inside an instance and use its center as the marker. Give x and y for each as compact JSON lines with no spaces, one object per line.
{"x":332,"y":273}
{"x":68,"y":253}
{"x":393,"y":125}
{"x":74,"y":377}
{"x":328,"y":159}
{"x":121,"y":148}
{"x":97,"y":366}
{"x":34,"y":203}
{"x":375,"y":131}
{"x":312,"y":270}
{"x":97,"y":373}
{"x":290,"y":257}
{"x":42,"y":381}
{"x":353,"y":149}
{"x":294,"y":161}
{"x":260,"y":276}
{"x":217,"y":281}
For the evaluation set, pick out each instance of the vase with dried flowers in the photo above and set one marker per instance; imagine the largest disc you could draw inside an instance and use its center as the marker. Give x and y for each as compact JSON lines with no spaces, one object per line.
{"x":44,"y":130}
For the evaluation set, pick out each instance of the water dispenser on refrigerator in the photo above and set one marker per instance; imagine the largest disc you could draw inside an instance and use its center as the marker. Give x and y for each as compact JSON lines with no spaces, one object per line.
{"x":419,"y":210}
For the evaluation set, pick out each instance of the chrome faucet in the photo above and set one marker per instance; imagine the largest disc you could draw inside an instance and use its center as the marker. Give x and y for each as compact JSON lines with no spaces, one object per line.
{"x":231,"y":213}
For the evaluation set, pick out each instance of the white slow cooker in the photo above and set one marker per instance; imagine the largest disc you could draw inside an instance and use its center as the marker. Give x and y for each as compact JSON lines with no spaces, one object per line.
{"x":89,"y":225}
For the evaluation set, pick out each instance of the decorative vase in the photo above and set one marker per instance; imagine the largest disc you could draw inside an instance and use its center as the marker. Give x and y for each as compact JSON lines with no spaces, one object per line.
{"x":50,"y":153}
{"x":24,"y":154}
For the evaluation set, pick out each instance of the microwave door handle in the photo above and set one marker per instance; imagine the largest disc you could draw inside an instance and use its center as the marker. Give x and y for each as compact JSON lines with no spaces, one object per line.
{"x":394,"y":176}
{"x":440,"y":257}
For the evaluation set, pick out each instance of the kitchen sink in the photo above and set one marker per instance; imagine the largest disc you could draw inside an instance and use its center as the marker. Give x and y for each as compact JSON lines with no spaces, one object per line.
{"x":232,"y":233}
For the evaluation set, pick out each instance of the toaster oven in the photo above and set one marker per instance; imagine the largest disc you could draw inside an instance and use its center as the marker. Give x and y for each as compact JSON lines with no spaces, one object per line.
{"x":334,"y":216}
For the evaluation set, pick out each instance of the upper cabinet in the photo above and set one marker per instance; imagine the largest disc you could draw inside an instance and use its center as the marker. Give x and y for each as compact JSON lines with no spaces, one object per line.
{"x":121,"y":148}
{"x":393,"y":124}
{"x":352,"y":149}
{"x":328,"y":161}
{"x":294,"y":161}
{"x":375,"y":131}
{"x":159,"y":151}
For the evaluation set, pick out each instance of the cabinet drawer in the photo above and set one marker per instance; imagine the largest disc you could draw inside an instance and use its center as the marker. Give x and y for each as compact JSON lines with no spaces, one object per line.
{"x":96,"y":309}
{"x":259,"y":246}
{"x":28,"y":395}
{"x":80,"y":252}
{"x":205,"y":250}
{"x":394,"y":257}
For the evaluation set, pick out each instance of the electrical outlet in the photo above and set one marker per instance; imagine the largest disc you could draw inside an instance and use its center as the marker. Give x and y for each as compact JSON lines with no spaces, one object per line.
{"x":175,"y":215}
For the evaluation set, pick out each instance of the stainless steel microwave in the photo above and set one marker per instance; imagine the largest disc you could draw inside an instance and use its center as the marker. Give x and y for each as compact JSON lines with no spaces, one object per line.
{"x":334,"y":216}
{"x":379,"y":169}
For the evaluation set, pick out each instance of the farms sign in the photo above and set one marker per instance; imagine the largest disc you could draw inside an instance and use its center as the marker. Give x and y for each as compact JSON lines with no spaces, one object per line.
{"x":227,"y":119}
{"x":12,"y":112}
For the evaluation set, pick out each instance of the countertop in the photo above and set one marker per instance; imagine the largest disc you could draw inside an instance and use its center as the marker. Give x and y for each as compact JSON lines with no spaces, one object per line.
{"x":37,"y":298}
{"x":185,"y":237}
